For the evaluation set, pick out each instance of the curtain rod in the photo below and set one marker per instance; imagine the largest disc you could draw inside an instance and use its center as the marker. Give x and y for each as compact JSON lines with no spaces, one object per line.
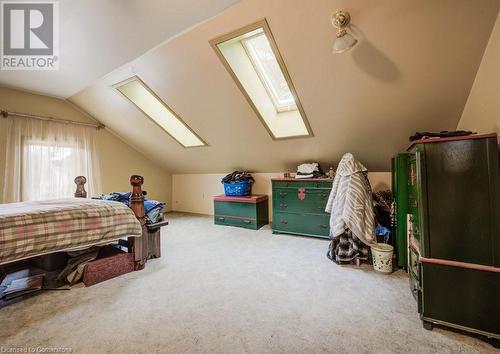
{"x":6,"y":114}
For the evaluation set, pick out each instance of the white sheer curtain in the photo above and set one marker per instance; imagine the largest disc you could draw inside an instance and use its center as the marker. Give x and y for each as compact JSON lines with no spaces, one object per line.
{"x":43,"y":158}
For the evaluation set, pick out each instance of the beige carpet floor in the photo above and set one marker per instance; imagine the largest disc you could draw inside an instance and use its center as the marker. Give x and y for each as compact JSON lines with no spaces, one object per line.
{"x":220,"y":289}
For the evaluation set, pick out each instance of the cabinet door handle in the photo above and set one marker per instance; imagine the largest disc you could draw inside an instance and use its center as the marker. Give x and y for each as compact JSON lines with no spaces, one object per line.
{"x":283,"y":205}
{"x":247,"y":221}
{"x":323,"y":196}
{"x":222,"y":219}
{"x":321,"y":208}
{"x":284,"y":222}
{"x":322,"y":226}
{"x":283,"y":194}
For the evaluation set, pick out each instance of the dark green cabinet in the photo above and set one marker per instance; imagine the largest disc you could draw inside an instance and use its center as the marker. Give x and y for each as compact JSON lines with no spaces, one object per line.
{"x":454,"y":230}
{"x":400,"y":192}
{"x":299,"y":207}
{"x":250,"y":212}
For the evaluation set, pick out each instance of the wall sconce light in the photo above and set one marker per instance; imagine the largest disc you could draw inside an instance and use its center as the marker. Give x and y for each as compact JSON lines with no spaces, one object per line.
{"x":344,"y":40}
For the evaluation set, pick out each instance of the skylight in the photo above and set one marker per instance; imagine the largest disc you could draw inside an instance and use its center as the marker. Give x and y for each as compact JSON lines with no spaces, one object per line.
{"x":261,"y":54}
{"x":252,"y":58}
{"x":151,"y":105}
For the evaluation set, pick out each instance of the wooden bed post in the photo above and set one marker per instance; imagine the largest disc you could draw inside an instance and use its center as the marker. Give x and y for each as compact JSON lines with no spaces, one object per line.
{"x":80,"y":187}
{"x":138,"y":245}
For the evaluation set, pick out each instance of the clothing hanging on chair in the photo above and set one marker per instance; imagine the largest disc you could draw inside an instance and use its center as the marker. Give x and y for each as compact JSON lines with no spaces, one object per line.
{"x":352,"y":226}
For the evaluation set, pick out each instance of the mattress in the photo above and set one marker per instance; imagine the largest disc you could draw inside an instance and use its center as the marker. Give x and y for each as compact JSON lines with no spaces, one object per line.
{"x":29,"y":229}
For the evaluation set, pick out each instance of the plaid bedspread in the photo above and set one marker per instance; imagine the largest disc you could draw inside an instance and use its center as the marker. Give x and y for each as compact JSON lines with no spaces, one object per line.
{"x":30,"y":229}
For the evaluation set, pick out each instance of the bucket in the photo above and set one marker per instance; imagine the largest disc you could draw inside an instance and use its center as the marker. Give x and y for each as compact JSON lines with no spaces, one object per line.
{"x":382,"y":257}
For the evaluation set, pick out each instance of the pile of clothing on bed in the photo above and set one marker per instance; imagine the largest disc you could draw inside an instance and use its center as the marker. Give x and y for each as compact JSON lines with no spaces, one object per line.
{"x":152,"y":208}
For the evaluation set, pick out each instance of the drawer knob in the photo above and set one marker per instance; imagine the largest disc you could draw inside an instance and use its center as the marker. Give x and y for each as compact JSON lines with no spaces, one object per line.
{"x":247,"y":221}
{"x":284,"y":222}
{"x":283,"y":205}
{"x":222,"y":219}
{"x":323,"y":226}
{"x":283,"y":194}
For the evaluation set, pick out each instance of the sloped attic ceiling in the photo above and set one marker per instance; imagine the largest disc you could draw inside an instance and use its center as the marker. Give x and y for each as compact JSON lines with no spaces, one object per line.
{"x":412,"y":70}
{"x":98,"y":36}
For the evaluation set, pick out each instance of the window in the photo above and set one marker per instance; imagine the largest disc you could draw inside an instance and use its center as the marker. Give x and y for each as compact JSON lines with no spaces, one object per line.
{"x":43,"y":158}
{"x":252,"y":58}
{"x":143,"y":98}
{"x":261,"y":54}
{"x":48,"y":169}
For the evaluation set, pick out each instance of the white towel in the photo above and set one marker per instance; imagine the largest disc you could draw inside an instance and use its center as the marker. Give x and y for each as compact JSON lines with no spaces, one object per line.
{"x":308,"y":168}
{"x":304,"y":176}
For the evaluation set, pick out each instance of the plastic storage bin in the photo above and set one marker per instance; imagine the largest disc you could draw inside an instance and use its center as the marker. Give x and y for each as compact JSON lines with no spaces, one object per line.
{"x":237,"y":189}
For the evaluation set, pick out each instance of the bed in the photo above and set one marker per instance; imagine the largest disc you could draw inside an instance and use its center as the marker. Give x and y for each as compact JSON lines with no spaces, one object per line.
{"x":30,"y":229}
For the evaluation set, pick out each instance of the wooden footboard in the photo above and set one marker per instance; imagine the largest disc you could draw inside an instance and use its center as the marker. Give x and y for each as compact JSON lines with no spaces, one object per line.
{"x":136,"y":245}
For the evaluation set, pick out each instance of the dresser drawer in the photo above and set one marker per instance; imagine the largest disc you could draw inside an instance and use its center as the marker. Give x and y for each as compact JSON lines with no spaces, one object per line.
{"x":235,"y":221}
{"x":302,"y":224}
{"x":303,"y":184}
{"x":302,"y":201}
{"x":246,"y":210}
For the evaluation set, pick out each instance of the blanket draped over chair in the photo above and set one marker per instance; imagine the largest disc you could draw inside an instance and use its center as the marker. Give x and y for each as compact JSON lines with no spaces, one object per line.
{"x":350,"y":202}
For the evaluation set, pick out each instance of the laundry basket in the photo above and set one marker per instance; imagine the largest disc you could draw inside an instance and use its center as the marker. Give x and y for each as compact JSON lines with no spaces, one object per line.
{"x":382,"y":257}
{"x":237,"y":189}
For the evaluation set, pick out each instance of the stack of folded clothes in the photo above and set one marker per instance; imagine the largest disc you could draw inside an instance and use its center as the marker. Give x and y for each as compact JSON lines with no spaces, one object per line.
{"x":309,"y":170}
{"x":152,"y":208}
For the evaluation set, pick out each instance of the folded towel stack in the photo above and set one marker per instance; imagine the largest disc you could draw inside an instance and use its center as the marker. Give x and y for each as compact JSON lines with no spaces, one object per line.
{"x":309,"y":170}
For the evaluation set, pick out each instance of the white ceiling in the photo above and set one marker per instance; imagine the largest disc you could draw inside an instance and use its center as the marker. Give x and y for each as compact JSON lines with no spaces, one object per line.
{"x":99,"y":36}
{"x":411,"y":71}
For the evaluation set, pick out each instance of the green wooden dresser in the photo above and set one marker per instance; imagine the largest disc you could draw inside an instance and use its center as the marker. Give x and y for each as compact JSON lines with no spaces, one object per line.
{"x":454,"y":232}
{"x":299,"y":207}
{"x":250,"y":212}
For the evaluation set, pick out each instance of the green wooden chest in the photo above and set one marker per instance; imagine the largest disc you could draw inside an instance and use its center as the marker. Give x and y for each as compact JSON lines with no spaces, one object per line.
{"x":454,"y":232}
{"x":299,"y":207}
{"x":250,"y":212}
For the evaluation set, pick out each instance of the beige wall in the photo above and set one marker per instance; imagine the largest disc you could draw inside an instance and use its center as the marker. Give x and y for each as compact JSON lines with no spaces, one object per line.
{"x":412,"y":70}
{"x":482,"y":111}
{"x":118,"y":160}
{"x":194,"y":192}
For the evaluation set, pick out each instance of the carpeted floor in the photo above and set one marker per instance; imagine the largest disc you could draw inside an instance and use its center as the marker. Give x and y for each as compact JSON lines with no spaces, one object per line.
{"x":224,"y":289}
